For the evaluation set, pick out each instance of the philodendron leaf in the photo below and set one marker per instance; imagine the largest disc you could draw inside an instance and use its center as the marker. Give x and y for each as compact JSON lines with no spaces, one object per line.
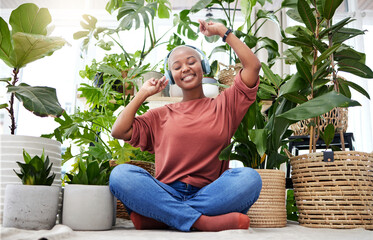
{"x":31,"y":47}
{"x":6,"y":47}
{"x":318,"y":106}
{"x":42,"y":101}
{"x":28,"y":18}
{"x":4,"y":105}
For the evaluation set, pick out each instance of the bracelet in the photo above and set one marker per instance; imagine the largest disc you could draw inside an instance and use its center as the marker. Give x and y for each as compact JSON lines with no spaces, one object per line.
{"x":226,"y":34}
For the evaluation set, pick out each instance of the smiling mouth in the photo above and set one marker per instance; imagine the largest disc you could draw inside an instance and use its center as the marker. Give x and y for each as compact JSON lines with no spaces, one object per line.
{"x":188,"y":77}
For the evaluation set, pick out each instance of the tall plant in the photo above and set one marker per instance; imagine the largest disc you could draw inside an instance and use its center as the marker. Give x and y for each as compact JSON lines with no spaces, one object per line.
{"x":28,"y":40}
{"x":318,"y":50}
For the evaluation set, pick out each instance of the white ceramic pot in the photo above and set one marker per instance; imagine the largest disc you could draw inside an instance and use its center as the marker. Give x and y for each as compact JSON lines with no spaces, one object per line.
{"x":208,"y":89}
{"x":11,"y":151}
{"x":32,"y":207}
{"x":88,"y":207}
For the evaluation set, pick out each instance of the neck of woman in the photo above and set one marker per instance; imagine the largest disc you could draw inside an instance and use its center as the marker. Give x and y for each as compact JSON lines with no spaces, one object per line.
{"x":193,"y":94}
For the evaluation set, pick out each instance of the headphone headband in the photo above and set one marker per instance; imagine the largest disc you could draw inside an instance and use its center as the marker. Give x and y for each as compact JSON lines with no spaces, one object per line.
{"x":204,"y":62}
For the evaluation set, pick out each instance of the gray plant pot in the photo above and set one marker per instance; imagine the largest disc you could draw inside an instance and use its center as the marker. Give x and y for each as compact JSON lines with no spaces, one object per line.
{"x":31,"y":207}
{"x":88,"y":207}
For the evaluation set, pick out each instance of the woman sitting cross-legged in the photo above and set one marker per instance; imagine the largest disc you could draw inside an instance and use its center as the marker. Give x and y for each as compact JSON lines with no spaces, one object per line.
{"x":192,"y":188}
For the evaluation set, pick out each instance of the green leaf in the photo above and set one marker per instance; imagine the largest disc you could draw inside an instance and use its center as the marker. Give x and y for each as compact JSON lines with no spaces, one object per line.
{"x":271,"y":76}
{"x":89,"y":22}
{"x":163,"y":10}
{"x":355,"y":67}
{"x":354,"y":86}
{"x":306,"y":14}
{"x":304,"y":71}
{"x":200,"y":5}
{"x":121,"y":153}
{"x":29,"y":47}
{"x":28,"y":18}
{"x":67,"y":155}
{"x":42,"y":101}
{"x":4,"y":105}
{"x":294,"y":84}
{"x":26,"y":156}
{"x":329,"y":7}
{"x":327,"y":53}
{"x":259,"y":137}
{"x":295,"y":97}
{"x":132,"y":11}
{"x":226,"y":152}
{"x":268,"y":88}
{"x":328,"y":134}
{"x":318,"y":106}
{"x":184,"y":24}
{"x":80,"y":34}
{"x":349,"y":53}
{"x":6,"y":47}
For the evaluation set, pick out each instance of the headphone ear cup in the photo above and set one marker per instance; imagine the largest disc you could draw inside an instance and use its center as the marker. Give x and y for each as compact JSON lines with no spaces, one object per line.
{"x":205,"y":67}
{"x":168,"y":75}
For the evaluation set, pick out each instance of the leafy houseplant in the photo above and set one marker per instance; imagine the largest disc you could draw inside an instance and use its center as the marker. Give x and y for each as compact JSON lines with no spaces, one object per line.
{"x":89,"y":185}
{"x":27,"y":41}
{"x":35,"y":171}
{"x":320,"y":54}
{"x":318,"y":51}
{"x":33,"y":205}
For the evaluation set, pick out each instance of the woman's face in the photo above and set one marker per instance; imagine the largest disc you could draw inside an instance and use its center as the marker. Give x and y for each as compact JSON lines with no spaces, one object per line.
{"x":186,"y":68}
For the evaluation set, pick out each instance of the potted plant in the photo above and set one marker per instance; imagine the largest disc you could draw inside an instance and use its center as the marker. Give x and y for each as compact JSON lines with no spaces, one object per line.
{"x":34,"y":204}
{"x":26,"y":42}
{"x":88,"y":203}
{"x":318,"y":51}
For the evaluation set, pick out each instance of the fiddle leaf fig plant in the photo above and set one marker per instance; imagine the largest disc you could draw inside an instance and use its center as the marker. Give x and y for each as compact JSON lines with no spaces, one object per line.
{"x":36,"y":170}
{"x":27,"y":41}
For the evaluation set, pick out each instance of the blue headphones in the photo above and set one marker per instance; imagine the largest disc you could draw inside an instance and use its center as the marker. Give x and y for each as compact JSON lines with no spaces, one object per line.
{"x":205,"y":64}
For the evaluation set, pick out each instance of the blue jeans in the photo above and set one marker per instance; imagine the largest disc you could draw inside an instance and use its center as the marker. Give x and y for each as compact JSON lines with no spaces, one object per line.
{"x":178,"y":204}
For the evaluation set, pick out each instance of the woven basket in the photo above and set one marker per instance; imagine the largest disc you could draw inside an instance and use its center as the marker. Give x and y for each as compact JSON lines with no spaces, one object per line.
{"x":335,"y":194}
{"x":227,"y":74}
{"x":148,"y":166}
{"x":337,"y":116}
{"x":269,"y":211}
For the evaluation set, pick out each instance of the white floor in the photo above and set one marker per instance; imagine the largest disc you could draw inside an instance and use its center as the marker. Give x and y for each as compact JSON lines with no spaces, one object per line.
{"x":125,"y":230}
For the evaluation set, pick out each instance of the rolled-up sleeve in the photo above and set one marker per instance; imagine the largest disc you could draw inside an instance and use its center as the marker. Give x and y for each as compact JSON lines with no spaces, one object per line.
{"x":142,"y":132}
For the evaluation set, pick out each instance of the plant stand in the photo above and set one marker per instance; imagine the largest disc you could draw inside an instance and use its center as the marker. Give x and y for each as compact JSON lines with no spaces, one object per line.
{"x":269,"y":211}
{"x":335,"y":194}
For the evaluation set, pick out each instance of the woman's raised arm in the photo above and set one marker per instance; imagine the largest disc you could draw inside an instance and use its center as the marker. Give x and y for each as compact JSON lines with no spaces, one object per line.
{"x":251,"y":64}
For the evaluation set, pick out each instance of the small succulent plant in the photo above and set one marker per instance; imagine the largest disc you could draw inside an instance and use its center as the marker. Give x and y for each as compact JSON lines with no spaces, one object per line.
{"x":89,"y":172}
{"x":36,"y":170}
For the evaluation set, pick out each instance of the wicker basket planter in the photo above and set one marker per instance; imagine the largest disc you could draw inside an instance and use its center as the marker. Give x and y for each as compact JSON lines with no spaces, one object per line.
{"x":335,"y":194}
{"x":227,"y":74}
{"x":337,"y":116}
{"x":148,"y":166}
{"x":269,"y":211}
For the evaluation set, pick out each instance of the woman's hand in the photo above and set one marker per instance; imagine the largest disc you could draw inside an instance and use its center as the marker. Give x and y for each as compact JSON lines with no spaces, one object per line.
{"x":212,"y":28}
{"x":153,"y":86}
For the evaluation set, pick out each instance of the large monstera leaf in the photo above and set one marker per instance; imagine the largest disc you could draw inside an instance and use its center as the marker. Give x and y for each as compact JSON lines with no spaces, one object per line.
{"x":42,"y":101}
{"x":31,"y":47}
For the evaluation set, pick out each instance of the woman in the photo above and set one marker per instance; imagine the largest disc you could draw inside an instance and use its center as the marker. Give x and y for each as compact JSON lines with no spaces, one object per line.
{"x":192,"y":189}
